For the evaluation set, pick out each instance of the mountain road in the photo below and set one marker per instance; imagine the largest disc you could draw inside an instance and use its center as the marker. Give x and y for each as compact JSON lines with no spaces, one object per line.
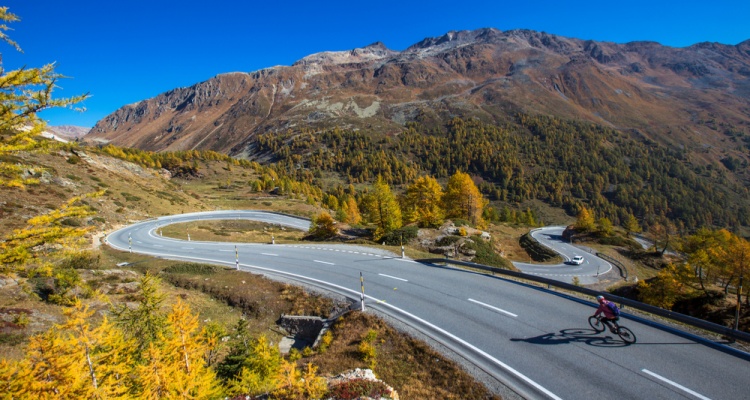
{"x":534,"y":340}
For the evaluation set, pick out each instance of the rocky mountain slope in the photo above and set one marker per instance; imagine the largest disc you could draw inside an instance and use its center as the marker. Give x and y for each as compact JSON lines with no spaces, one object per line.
{"x":696,"y":97}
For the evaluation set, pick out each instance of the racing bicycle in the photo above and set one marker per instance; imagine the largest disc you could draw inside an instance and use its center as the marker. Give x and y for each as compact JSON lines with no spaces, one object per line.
{"x":625,"y":334}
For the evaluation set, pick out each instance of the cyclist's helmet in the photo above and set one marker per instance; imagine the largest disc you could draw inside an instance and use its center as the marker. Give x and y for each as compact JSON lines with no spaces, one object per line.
{"x":599,"y":298}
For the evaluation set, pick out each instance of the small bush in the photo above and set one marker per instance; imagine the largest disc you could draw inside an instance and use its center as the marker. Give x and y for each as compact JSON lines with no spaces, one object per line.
{"x":12,"y":339}
{"x":367,"y":350}
{"x":190,"y":268}
{"x":294,"y":355}
{"x":21,"y":319}
{"x":461,"y":222}
{"x":71,"y":222}
{"x":394,"y":238}
{"x":82,"y":260}
{"x":325,"y":342}
{"x":447,"y":240}
{"x":485,"y":254}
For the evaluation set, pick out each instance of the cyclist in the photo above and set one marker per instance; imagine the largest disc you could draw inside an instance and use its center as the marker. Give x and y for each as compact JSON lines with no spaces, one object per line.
{"x":609,"y":319}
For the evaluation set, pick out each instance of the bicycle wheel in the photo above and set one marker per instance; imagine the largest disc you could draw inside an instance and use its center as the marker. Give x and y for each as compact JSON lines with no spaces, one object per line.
{"x":626,"y":335}
{"x":596,"y":324}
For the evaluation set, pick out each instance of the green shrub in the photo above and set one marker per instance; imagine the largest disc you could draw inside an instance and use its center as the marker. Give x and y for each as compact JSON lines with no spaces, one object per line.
{"x":12,"y":339}
{"x":191,"y":268}
{"x":447,"y":240}
{"x":294,"y":355}
{"x":21,"y":319}
{"x":394,"y":238}
{"x":485,"y":254}
{"x":82,"y":260}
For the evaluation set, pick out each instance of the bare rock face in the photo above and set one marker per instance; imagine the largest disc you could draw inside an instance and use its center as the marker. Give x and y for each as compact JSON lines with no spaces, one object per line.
{"x":484,"y":74}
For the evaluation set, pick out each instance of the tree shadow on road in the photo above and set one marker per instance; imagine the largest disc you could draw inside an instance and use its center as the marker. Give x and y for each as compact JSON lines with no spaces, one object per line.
{"x":566,"y":336}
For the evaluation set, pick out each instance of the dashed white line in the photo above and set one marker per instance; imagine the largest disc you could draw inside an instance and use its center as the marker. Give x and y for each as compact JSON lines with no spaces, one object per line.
{"x":270,"y":254}
{"x":158,"y":245}
{"x":188,"y":248}
{"x":227,"y":251}
{"x":393,"y":277}
{"x":324,"y":262}
{"x":675,"y":384}
{"x":493,"y":308}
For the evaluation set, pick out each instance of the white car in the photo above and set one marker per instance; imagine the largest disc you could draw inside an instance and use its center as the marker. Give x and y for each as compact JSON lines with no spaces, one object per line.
{"x":577,"y":260}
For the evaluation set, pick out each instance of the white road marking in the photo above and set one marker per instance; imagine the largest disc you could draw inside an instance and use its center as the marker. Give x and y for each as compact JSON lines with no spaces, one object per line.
{"x":675,"y":384}
{"x":270,"y":254}
{"x":406,"y":260}
{"x":494,"y":308}
{"x":227,"y":251}
{"x":188,"y":248}
{"x":158,"y":245}
{"x":324,"y":262}
{"x":393,"y":277}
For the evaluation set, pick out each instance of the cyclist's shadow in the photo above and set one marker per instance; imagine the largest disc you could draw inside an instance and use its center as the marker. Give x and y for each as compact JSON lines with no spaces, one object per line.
{"x":565,"y":336}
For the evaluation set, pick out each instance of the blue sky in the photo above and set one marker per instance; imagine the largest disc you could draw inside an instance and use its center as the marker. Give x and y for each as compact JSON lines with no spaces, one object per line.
{"x":121,"y":52}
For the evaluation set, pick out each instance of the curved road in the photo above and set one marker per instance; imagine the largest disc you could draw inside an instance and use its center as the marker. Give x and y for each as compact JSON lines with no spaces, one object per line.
{"x":587,"y":273}
{"x":534,"y":340}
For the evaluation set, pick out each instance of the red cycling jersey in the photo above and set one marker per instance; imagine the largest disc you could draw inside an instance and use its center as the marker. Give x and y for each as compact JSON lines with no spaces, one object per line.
{"x":603,"y":308}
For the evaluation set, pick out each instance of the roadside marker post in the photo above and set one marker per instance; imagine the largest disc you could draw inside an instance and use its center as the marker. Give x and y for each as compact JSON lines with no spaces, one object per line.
{"x":236,"y":258}
{"x":362,"y":284}
{"x":130,"y":243}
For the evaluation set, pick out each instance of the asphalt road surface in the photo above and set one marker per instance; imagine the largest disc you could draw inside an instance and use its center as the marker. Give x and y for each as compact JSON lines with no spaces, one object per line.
{"x":589,"y":272}
{"x":534,"y":340}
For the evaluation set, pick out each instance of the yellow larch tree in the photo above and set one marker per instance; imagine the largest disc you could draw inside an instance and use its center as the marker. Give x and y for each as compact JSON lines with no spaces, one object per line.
{"x":259,"y":373}
{"x":585,"y":220}
{"x":462,"y":199}
{"x":421,"y":202}
{"x":351,"y":211}
{"x":382,"y":208}
{"x":23,"y":93}
{"x":183,"y":352}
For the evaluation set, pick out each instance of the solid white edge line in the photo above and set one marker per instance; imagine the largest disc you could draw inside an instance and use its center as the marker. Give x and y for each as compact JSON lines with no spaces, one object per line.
{"x":324,"y":262}
{"x":675,"y":384}
{"x":270,"y":254}
{"x":384,"y":304}
{"x":393,"y":277}
{"x":494,"y":308}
